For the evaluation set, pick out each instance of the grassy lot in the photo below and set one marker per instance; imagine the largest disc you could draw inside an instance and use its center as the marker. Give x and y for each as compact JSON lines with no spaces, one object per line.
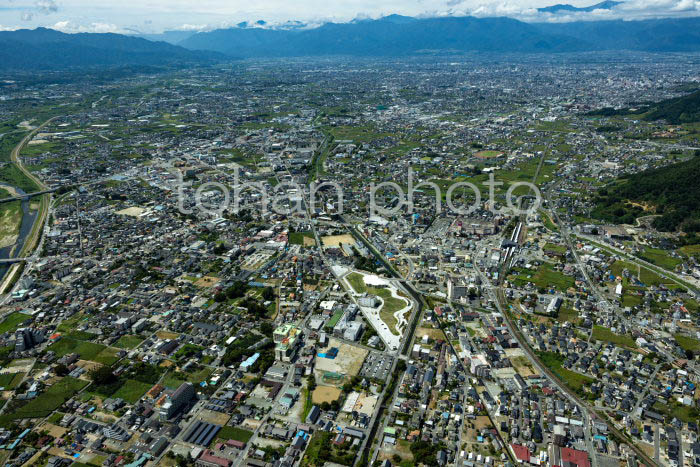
{"x":12,"y":322}
{"x":606,"y":335}
{"x":687,"y":343}
{"x":554,"y":248}
{"x":297,"y":238}
{"x":691,"y":250}
{"x":48,"y":401}
{"x":128,"y":342}
{"x":68,"y":325}
{"x":357,"y":282}
{"x":554,"y":361}
{"x":87,"y":350}
{"x":232,"y":432}
{"x":567,"y":314}
{"x":175,"y":379}
{"x":681,"y":412}
{"x":132,"y":390}
{"x":645,"y":275}
{"x":308,"y":403}
{"x":545,"y":277}
{"x":10,"y":380}
{"x":548,"y":223}
{"x":660,"y":258}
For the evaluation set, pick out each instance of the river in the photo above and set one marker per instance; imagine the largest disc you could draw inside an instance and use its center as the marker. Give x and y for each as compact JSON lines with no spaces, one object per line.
{"x":28,"y":218}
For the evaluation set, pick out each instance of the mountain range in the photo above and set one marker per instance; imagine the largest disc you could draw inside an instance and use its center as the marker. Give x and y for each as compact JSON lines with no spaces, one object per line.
{"x":47,"y":49}
{"x":393,"y":35}
{"x":399,"y":35}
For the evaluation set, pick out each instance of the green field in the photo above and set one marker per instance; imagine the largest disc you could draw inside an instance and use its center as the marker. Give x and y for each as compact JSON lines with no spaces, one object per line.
{"x":12,"y":322}
{"x":87,"y":350}
{"x":683,"y":413}
{"x":660,"y":258}
{"x":646,"y":276}
{"x":544,"y":278}
{"x":357,"y":282}
{"x":132,"y":390}
{"x":234,"y":433}
{"x":175,"y":379}
{"x":10,"y":380}
{"x":606,"y":335}
{"x":128,"y":342}
{"x":687,"y":343}
{"x":297,"y":238}
{"x":48,"y":401}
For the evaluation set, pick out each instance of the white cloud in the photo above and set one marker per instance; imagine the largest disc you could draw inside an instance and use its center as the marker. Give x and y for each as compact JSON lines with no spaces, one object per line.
{"x":70,"y":27}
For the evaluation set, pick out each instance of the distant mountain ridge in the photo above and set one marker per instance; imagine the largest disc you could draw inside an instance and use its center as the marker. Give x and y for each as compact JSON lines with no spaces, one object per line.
{"x":399,"y":35}
{"x":47,"y":49}
{"x":606,"y":5}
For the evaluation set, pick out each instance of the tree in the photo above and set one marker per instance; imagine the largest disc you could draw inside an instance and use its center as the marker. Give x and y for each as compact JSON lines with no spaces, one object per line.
{"x":61,"y":370}
{"x":268,"y":293}
{"x":103,"y":376}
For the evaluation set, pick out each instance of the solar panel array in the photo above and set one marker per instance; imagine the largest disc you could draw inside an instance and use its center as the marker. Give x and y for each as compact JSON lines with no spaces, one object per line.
{"x":202,"y":433}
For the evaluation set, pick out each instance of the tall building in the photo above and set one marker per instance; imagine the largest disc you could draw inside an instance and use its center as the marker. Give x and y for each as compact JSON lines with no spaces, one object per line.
{"x":287,"y":338}
{"x":175,"y":402}
{"x":27,"y":338}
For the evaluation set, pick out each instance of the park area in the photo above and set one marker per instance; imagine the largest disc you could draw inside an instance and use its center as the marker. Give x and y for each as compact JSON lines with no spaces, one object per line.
{"x":390,"y":318}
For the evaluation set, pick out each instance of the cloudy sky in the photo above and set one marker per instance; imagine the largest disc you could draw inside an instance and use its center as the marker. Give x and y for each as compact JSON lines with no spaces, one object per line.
{"x":149,"y":16}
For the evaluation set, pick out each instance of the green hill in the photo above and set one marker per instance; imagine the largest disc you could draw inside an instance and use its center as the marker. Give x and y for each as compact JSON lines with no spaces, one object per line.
{"x":684,"y":109}
{"x":672,"y":192}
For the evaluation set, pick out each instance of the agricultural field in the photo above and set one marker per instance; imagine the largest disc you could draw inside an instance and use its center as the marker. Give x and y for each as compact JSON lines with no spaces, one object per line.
{"x":128,"y":342}
{"x":132,"y":390}
{"x":86,"y":350}
{"x":48,"y":401}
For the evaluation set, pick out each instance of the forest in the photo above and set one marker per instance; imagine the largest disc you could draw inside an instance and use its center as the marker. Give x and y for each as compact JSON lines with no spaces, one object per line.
{"x":671,"y":192}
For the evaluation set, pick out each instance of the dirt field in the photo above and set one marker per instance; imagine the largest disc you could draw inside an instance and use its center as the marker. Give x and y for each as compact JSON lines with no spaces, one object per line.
{"x":55,"y":431}
{"x":309,"y":241}
{"x":523,"y":366}
{"x":89,"y":366}
{"x":216,"y":418}
{"x":336,"y":240}
{"x":325,"y":394}
{"x":207,"y":282}
{"x":348,"y":362}
{"x":166,"y":335}
{"x":434,"y":334}
{"x":132,"y":212}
